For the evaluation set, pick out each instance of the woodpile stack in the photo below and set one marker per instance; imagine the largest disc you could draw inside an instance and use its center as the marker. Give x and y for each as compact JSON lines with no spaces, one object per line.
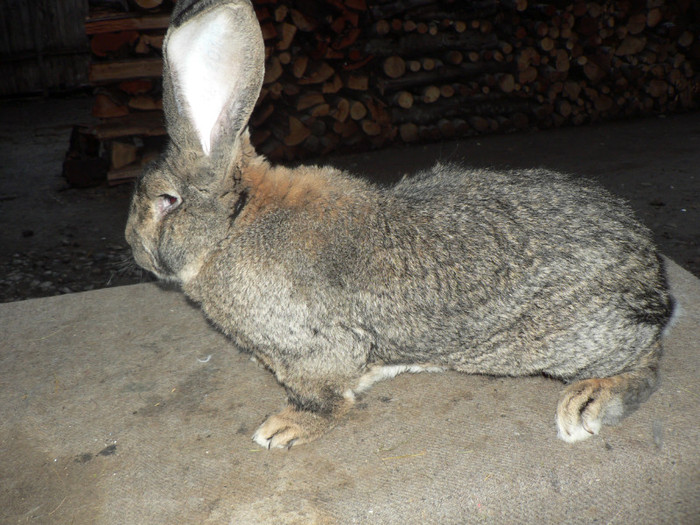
{"x":417,"y":70}
{"x":360,"y":74}
{"x":126,"y":71}
{"x":318,"y":93}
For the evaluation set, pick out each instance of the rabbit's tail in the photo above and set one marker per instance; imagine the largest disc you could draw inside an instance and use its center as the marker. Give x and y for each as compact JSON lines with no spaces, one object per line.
{"x":588,"y":404}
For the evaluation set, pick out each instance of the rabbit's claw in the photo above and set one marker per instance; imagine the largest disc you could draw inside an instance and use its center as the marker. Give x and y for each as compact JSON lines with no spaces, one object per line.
{"x":583,"y":406}
{"x":290,"y":427}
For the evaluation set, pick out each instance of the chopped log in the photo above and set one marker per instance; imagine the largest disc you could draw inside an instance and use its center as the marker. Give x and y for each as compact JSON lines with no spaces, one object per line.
{"x":322,"y":110}
{"x":275,"y":90}
{"x":298,"y":132}
{"x":408,"y":132}
{"x":527,"y":75}
{"x":309,"y":100}
{"x":371,"y":128}
{"x":507,"y":83}
{"x":285,"y":58}
{"x":603,"y":103}
{"x":148,"y":4}
{"x":124,"y":175}
{"x":122,"y":153}
{"x":631,"y":46}
{"x":261,"y":114}
{"x":428,"y":64}
{"x":332,"y":86}
{"x":342,"y":110}
{"x":454,"y":57}
{"x":145,"y":103}
{"x":480,"y":124}
{"x":447,"y":91}
{"x":357,"y":82}
{"x":125,"y":70}
{"x":636,"y":24}
{"x":148,"y":42}
{"x":394,"y":67}
{"x":686,"y":39}
{"x":281,"y":13}
{"x":657,"y":88}
{"x":136,"y":87}
{"x":105,"y":107}
{"x":403,"y":99}
{"x":430,"y":94}
{"x":654,"y":17}
{"x":447,"y":128}
{"x":382,"y":27}
{"x":593,"y":72}
{"x":378,"y":111}
{"x":269,"y":31}
{"x":302,"y":21}
{"x":300,"y":65}
{"x":103,"y":44}
{"x":320,"y":72}
{"x":413,"y":65}
{"x":346,"y":129}
{"x":273,"y":70}
{"x":564,"y":108}
{"x":562,"y":63}
{"x":288,"y":31}
{"x":358,"y":111}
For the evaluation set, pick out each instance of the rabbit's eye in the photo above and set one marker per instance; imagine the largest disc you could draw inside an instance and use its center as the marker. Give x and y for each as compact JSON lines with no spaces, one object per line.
{"x":166,"y":203}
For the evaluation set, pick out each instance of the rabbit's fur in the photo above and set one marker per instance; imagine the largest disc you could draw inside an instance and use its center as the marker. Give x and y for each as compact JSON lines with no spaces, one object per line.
{"x":334,"y":283}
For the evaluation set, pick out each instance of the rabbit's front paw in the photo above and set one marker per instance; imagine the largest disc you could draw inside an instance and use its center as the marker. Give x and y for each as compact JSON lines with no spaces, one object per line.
{"x":290,"y":427}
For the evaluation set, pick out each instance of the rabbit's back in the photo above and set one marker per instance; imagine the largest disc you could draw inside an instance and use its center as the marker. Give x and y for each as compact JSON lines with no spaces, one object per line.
{"x":510,"y":273}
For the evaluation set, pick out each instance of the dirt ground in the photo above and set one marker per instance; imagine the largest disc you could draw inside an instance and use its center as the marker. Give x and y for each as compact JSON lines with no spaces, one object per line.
{"x":56,"y":240}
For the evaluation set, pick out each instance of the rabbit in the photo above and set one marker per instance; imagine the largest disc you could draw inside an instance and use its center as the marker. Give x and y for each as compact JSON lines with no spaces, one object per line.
{"x":334,"y":283}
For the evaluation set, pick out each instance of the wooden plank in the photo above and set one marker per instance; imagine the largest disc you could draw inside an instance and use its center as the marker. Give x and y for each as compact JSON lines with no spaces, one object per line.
{"x":147,"y":123}
{"x":124,"y":175}
{"x":124,"y":22}
{"x":117,"y":70}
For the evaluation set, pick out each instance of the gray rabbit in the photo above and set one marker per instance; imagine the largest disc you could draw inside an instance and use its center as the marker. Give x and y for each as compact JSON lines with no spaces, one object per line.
{"x":334,"y":283}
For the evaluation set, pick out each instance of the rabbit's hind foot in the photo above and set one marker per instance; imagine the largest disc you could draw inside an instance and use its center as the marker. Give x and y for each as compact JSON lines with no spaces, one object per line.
{"x":588,"y":404}
{"x":582,"y":407}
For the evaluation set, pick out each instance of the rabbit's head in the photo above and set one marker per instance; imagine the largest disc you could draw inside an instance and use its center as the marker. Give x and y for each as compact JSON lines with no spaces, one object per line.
{"x":185,"y":202}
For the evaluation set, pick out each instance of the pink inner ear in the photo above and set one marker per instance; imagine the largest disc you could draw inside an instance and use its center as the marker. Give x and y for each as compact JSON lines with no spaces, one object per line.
{"x":165,"y":203}
{"x":205,"y":56}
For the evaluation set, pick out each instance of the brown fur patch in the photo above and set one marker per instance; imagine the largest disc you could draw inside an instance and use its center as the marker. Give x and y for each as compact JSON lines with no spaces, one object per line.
{"x":281,"y":187}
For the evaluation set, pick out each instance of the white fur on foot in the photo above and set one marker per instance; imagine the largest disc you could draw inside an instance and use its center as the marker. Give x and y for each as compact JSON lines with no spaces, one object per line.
{"x":277,"y":433}
{"x":573,"y":431}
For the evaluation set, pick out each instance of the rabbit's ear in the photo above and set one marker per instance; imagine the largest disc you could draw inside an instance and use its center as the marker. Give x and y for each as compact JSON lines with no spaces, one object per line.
{"x":214,"y":58}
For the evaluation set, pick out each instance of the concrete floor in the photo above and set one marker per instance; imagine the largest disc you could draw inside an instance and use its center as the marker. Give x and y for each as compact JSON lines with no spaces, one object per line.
{"x":123,"y":405}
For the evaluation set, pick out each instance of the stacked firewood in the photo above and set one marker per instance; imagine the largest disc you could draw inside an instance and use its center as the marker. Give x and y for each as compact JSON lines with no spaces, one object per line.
{"x":317,"y":94}
{"x":126,"y":42}
{"x":360,"y":74}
